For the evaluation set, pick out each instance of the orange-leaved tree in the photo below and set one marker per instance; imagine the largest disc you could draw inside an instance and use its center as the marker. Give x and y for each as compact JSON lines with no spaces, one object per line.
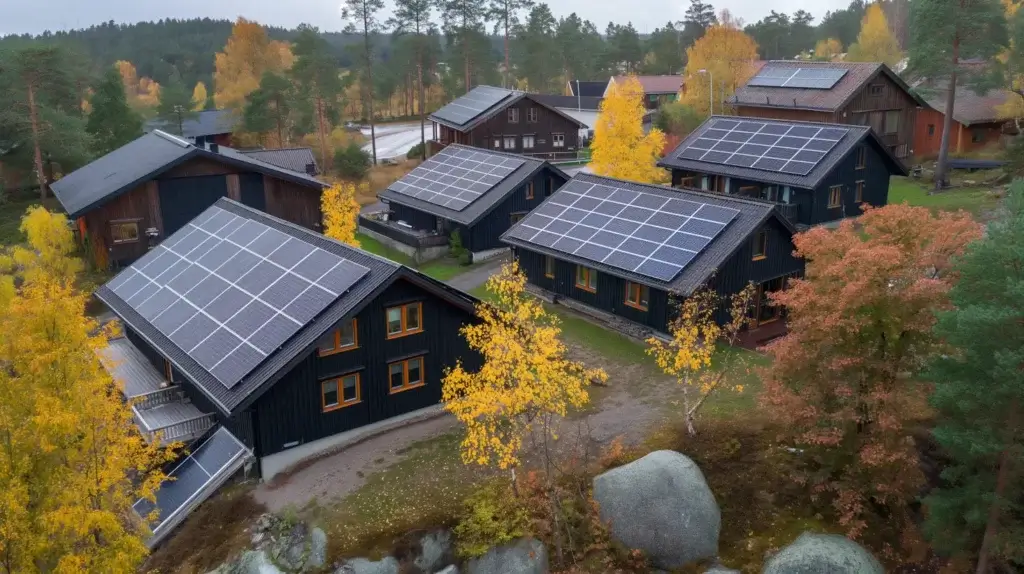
{"x":724,"y":55}
{"x":860,"y":327}
{"x":828,"y":49}
{"x":524,"y":380}
{"x":248,"y":54}
{"x":72,"y":464}
{"x":875,"y":42}
{"x":691,"y":355}
{"x":620,"y":147}
{"x":199,"y":96}
{"x":341,"y":212}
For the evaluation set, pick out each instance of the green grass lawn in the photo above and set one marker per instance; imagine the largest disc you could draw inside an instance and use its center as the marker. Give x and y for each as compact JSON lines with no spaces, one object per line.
{"x":974,"y":200}
{"x":377,"y":248}
{"x":441,"y":269}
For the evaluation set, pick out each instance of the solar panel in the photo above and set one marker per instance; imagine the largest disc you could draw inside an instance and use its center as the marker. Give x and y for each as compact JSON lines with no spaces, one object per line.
{"x":787,"y":77}
{"x":456,"y":176}
{"x":229,"y":291}
{"x":638,"y":232}
{"x":764,"y":145}
{"x":215,"y":456}
{"x":463,"y":109}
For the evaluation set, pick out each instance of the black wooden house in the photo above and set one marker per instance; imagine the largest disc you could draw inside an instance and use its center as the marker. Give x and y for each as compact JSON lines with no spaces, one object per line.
{"x":627,"y":249}
{"x":477,"y":194}
{"x":260,"y":337}
{"x":506,"y":120}
{"x":814,"y":172}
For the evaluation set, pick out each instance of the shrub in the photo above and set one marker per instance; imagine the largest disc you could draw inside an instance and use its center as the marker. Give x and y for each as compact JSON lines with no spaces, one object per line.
{"x":416,"y":152}
{"x":1014,"y":156}
{"x":351,"y":162}
{"x":492,"y":516}
{"x":677,"y":119}
{"x":456,"y":250}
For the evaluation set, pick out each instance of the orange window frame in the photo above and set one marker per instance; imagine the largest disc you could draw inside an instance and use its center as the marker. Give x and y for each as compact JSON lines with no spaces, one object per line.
{"x":549,"y":267}
{"x":634,"y":295}
{"x":339,"y":388}
{"x":405,"y":315}
{"x":835,"y":196}
{"x":761,"y":242}
{"x":337,"y":346}
{"x":858,"y":195}
{"x":529,"y":190}
{"x":406,"y":384}
{"x":588,"y":276}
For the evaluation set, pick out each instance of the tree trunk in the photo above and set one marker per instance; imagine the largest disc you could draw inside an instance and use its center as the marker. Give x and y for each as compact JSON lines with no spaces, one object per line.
{"x":422,"y":104}
{"x":941,"y":168}
{"x":992,"y":525}
{"x":507,"y":69}
{"x":280,"y":124}
{"x":324,"y":160}
{"x":369,"y":85}
{"x":37,"y":151}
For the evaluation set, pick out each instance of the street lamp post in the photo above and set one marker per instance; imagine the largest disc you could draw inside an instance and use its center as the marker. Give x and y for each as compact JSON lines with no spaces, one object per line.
{"x":711,"y":90}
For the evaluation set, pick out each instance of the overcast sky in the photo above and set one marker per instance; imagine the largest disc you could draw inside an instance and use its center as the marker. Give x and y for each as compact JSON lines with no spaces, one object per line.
{"x":35,"y":16}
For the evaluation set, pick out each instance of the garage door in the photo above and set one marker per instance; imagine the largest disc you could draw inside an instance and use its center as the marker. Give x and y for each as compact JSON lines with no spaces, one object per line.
{"x":182,"y":199}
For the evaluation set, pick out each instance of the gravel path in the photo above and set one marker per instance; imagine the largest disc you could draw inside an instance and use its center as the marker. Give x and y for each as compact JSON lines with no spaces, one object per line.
{"x":477,"y":275}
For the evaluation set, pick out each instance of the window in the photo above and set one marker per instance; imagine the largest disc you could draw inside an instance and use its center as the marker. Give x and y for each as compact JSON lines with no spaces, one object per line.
{"x":531,"y":115}
{"x":931,"y":130}
{"x":513,"y":115}
{"x":549,"y":267}
{"x":761,"y":245}
{"x":764,"y":311}
{"x":529,"y":190}
{"x":405,"y":320}
{"x":168,"y":371}
{"x":510,"y":142}
{"x":858,"y":195}
{"x":405,"y":375}
{"x":528,"y":142}
{"x":876,"y":89}
{"x":892,"y":121}
{"x":862,"y":157}
{"x":835,"y":196}
{"x":497,"y":142}
{"x":977,"y":136}
{"x":124,"y":231}
{"x":586,"y":278}
{"x":686,"y":182}
{"x":517,"y":217}
{"x":636,"y":295}
{"x":557,"y":140}
{"x":340,"y":392}
{"x":550,"y":187}
{"x":344,"y":338}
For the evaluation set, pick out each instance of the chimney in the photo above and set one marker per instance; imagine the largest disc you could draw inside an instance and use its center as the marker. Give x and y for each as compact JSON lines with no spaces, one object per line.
{"x":311,"y":168}
{"x":214,"y":147}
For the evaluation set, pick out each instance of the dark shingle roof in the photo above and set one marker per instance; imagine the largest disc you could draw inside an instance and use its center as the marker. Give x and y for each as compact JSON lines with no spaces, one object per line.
{"x":295,"y":158}
{"x":858,"y":74}
{"x":382,"y":272}
{"x":656,"y":84}
{"x":482,"y":205}
{"x":145,"y":158}
{"x":206,"y":123}
{"x":854,"y":136}
{"x":588,"y":89}
{"x":495,"y":109}
{"x":970,"y":107}
{"x":569,"y":102}
{"x":752,"y":214}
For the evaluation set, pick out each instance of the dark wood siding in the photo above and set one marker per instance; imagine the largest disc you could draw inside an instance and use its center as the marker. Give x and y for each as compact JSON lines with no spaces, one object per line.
{"x":414,"y":217}
{"x":292,"y":202}
{"x":291,"y":411}
{"x":875,"y":176}
{"x":141,"y":204}
{"x":548,"y":122}
{"x":183,"y":199}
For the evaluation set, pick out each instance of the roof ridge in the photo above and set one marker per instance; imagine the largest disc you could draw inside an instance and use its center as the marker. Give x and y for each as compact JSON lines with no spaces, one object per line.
{"x":273,"y":149}
{"x":781,"y":121}
{"x":694,"y":191}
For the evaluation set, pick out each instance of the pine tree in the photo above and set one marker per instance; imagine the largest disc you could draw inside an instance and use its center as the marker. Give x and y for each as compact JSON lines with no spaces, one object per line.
{"x":875,"y":43}
{"x":535,"y":42}
{"x":979,"y":395}
{"x":267,"y":107}
{"x":620,"y":147}
{"x":316,"y":76}
{"x":363,"y":20}
{"x":112,"y":122}
{"x":413,"y":17}
{"x":463,"y":25}
{"x":175,"y":106}
{"x":505,"y":15}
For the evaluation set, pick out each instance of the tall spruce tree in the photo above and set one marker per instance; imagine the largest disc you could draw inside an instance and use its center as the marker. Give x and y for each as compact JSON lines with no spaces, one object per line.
{"x":535,"y":42}
{"x":175,"y":105}
{"x":462,"y":23}
{"x":112,"y":122}
{"x":505,"y":15}
{"x":979,"y":395}
{"x":362,"y":20}
{"x":267,"y":107}
{"x":318,"y":85}
{"x":413,"y":17}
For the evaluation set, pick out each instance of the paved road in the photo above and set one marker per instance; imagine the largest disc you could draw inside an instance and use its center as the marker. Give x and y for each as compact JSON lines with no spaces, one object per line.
{"x":395,"y":140}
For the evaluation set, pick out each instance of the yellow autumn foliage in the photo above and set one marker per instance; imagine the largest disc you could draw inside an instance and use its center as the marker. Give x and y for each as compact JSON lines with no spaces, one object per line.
{"x":141,"y":92}
{"x":727,"y":55}
{"x":248,"y":54}
{"x":341,"y":213}
{"x":620,"y":148}
{"x":875,"y":42}
{"x":199,"y":96}
{"x":524,"y":378}
{"x":827,"y":50}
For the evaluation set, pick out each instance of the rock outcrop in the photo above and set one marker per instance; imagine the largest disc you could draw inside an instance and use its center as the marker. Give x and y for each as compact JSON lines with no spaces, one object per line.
{"x":527,"y":556}
{"x":823,"y":554}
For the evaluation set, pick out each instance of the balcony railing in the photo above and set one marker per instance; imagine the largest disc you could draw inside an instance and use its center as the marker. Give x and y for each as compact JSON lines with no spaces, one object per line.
{"x":413,"y":237}
{"x":789,"y":211}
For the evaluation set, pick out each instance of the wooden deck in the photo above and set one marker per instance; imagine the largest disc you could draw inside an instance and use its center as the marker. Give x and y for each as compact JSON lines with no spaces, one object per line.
{"x":754,"y":338}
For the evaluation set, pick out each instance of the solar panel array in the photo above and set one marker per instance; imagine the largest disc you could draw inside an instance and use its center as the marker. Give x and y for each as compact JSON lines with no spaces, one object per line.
{"x":764,"y":145}
{"x":456,"y":176}
{"x":192,"y":475}
{"x":787,"y":77}
{"x":229,"y":291}
{"x":463,"y":109}
{"x":639,"y":232}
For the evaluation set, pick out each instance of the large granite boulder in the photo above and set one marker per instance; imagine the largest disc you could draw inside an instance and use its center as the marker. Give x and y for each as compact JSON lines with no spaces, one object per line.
{"x":661,"y":505}
{"x":823,"y":554}
{"x":250,"y":562}
{"x":527,"y":556}
{"x":436,"y":551}
{"x":363,"y":566}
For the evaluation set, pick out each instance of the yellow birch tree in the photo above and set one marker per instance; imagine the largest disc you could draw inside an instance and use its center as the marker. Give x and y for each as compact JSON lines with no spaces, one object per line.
{"x":341,"y":213}
{"x":620,"y":147}
{"x":525,"y":377}
{"x":828,"y":50}
{"x":724,"y":54}
{"x":199,"y":96}
{"x":690,"y":356}
{"x":875,"y":42}
{"x":72,"y":463}
{"x":248,"y":54}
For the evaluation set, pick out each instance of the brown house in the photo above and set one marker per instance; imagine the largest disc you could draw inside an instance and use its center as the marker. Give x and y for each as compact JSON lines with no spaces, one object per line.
{"x":128,"y":200}
{"x":509,"y":121}
{"x":977,"y":121}
{"x":857,"y":93}
{"x":658,"y":90}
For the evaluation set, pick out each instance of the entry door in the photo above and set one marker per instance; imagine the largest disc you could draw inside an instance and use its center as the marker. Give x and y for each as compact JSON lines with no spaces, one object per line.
{"x":182,"y":199}
{"x":252,"y":190}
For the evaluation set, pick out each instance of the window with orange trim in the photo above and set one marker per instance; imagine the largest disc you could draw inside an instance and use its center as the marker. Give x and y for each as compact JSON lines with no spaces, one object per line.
{"x":761,"y":245}
{"x":344,"y":338}
{"x":340,"y":392}
{"x":406,"y":374}
{"x":835,"y":196}
{"x":858,"y":195}
{"x":549,"y":267}
{"x":637,"y":295}
{"x":168,"y":371}
{"x":586,"y":278}
{"x":529,"y":190}
{"x":404,"y":320}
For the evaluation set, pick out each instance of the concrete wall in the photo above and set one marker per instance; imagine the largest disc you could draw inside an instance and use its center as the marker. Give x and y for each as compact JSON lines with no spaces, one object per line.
{"x":419,"y":255}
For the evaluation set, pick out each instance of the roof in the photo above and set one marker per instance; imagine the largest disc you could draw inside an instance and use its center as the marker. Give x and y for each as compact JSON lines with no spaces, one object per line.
{"x":145,"y":158}
{"x":569,"y":102}
{"x":858,"y":74}
{"x":510,"y":97}
{"x":854,"y":136}
{"x":293,"y":158}
{"x":483,"y":204}
{"x":206,"y":123}
{"x":655,"y":84}
{"x":382,"y":272}
{"x":589,"y":89}
{"x":970,"y":107}
{"x":752,"y":215}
